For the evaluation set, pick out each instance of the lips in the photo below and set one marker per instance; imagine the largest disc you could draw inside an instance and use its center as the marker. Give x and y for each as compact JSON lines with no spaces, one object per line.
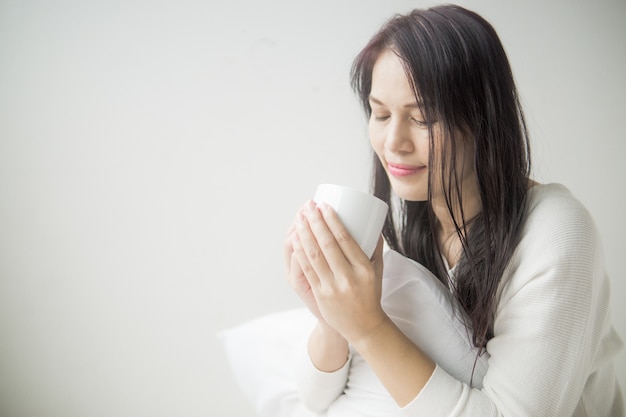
{"x":403,"y":170}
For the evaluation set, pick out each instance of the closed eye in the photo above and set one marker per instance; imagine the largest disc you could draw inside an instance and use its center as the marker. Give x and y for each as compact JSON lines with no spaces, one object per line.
{"x":420,"y":123}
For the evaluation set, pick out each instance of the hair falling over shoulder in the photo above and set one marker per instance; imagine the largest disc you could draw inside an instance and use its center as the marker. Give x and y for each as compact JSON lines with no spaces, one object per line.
{"x":461,"y":75}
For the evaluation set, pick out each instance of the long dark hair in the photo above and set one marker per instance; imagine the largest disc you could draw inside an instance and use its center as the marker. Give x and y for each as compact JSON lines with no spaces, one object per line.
{"x":462,"y":80}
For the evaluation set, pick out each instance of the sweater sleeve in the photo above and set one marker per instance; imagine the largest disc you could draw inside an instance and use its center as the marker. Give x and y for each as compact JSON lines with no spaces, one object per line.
{"x":318,"y":389}
{"x":551,"y":314}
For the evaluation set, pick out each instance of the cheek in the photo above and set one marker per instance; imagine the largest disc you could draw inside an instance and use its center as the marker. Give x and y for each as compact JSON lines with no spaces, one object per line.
{"x":377,"y":141}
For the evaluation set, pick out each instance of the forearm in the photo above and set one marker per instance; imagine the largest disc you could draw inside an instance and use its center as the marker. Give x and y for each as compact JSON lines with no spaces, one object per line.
{"x":321,"y":376}
{"x":397,"y":362}
{"x":327,"y":348}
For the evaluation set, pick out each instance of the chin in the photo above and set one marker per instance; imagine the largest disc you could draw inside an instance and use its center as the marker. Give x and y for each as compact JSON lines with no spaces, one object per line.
{"x":410,"y":193}
{"x":414,"y":198}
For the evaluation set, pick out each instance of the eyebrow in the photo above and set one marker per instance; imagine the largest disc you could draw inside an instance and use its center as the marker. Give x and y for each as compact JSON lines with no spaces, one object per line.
{"x":408,"y":105}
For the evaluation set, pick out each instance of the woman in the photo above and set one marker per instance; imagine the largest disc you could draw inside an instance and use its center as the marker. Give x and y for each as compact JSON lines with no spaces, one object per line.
{"x":523,"y":260}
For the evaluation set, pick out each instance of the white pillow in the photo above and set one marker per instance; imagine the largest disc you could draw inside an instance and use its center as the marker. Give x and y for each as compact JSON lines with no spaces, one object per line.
{"x":423,"y":308}
{"x":261,"y":352}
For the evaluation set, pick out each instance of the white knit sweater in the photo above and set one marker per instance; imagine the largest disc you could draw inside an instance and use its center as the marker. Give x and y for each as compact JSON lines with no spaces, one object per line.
{"x":553,"y":346}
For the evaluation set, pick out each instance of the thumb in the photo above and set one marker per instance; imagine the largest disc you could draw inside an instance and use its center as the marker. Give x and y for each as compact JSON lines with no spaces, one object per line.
{"x":377,"y":257}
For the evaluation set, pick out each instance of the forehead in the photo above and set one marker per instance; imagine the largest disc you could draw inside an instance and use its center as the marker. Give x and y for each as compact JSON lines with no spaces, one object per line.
{"x":390,"y":84}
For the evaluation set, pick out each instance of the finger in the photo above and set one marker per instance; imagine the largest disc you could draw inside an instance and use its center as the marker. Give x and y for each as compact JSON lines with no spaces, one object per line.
{"x":292,"y":226}
{"x":288,"y":247}
{"x":287,"y":254}
{"x":295,"y":271}
{"x":302,"y":258}
{"x":291,"y":229}
{"x":378,"y":252}
{"x":296,"y":277}
{"x":377,"y":257}
{"x":326,"y":241}
{"x":344,"y":240}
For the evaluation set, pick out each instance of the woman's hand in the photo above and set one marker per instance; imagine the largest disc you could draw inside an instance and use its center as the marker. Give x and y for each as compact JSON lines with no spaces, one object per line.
{"x":345,"y":287}
{"x":334,"y":274}
{"x":295,"y":277}
{"x":327,"y":348}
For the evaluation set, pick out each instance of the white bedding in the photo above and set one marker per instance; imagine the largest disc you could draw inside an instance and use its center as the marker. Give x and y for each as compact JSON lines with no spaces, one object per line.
{"x":263,"y":353}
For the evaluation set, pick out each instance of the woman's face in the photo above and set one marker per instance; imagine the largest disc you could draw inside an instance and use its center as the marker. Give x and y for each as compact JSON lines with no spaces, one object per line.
{"x":399,"y":134}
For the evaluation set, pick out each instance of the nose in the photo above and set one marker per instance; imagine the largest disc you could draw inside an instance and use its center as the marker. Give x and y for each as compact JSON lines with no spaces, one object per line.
{"x":398,"y":138}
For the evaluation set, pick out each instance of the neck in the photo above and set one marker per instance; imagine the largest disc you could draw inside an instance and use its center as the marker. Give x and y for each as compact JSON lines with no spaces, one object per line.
{"x":463,"y":212}
{"x":446,"y":224}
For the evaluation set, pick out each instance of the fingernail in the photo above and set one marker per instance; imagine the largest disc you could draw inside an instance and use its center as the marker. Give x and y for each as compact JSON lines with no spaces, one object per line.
{"x":299,"y":219}
{"x":310,"y":206}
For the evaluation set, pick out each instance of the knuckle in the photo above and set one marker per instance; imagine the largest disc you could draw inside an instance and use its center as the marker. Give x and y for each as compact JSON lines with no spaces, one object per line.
{"x":314,"y":254}
{"x":343,"y":289}
{"x":343,"y":236}
{"x":325,"y":293}
{"x":326,"y":243}
{"x":307,"y":269}
{"x":313,"y":223}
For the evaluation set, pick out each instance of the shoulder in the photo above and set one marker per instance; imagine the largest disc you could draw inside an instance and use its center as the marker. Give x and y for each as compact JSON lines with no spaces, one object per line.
{"x":555,"y":218}
{"x":551,"y":202}
{"x":551,"y":314}
{"x":559,"y":244}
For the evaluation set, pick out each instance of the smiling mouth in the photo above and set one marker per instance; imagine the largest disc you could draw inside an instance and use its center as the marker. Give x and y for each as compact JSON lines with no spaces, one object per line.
{"x":398,"y":170}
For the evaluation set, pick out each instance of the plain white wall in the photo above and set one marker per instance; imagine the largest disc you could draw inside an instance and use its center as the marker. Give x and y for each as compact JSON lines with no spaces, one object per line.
{"x":152,"y":154}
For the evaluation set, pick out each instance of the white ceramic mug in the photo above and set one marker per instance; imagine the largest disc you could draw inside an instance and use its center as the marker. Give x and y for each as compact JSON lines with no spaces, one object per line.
{"x":361,"y":213}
